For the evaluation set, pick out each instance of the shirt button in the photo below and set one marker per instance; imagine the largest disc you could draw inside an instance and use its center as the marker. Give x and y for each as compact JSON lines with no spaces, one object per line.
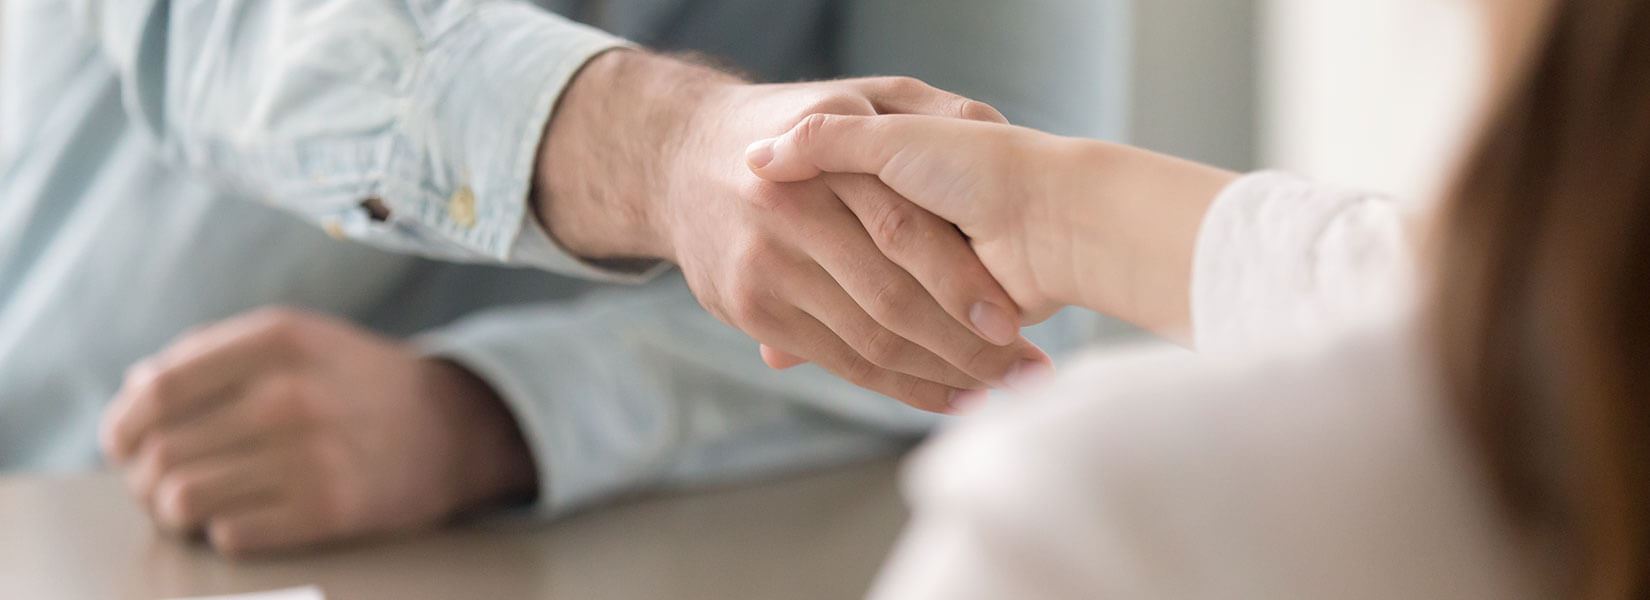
{"x":462,"y":207}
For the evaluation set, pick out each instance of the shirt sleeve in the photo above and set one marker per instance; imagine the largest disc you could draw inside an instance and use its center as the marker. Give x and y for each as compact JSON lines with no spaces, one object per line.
{"x":433,"y":108}
{"x":1278,"y":255}
{"x":639,"y":389}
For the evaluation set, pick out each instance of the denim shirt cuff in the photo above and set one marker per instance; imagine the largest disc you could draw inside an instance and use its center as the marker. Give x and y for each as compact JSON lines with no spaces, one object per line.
{"x":462,"y":164}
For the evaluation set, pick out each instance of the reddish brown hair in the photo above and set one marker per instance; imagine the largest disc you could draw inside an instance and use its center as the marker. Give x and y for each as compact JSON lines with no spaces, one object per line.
{"x":1543,"y":303}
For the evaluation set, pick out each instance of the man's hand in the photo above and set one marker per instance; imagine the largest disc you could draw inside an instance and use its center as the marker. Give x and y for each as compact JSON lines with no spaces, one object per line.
{"x":278,"y":429}
{"x":645,"y":159}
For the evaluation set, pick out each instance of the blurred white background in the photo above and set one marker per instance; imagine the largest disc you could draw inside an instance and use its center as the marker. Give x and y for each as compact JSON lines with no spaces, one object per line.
{"x":1374,"y":94}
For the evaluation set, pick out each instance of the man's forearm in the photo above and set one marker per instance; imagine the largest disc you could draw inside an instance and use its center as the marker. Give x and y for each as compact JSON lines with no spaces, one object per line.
{"x":606,"y":155}
{"x":492,"y":463}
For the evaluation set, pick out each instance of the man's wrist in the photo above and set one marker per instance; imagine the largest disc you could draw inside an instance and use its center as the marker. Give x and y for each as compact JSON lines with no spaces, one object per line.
{"x":491,"y":463}
{"x":609,"y":153}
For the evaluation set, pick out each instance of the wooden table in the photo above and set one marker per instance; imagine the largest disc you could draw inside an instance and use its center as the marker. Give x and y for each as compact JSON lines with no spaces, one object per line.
{"x":815,"y":536}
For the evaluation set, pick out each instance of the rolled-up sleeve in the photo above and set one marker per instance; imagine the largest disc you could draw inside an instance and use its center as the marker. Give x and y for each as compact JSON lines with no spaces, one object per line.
{"x":642,"y":390}
{"x":434,"y":109}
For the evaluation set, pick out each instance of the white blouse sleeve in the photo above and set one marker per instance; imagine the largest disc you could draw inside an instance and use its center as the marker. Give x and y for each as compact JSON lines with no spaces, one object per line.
{"x":1281,"y":256}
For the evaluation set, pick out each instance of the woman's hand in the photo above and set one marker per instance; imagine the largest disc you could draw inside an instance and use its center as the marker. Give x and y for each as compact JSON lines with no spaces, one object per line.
{"x":972,"y":176}
{"x":1058,"y":221}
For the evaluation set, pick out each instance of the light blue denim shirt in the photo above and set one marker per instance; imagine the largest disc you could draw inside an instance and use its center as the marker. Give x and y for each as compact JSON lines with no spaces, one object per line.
{"x":140,"y":141}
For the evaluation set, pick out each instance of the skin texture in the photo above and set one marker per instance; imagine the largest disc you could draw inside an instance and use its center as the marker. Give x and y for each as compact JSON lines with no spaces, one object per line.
{"x":279,"y":429}
{"x":839,"y":270}
{"x":1102,"y":226}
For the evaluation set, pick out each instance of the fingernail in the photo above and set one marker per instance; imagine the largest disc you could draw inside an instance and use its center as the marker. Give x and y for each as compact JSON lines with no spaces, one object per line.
{"x":760,"y":154}
{"x":995,"y":323}
{"x":1028,"y":373}
{"x":964,"y":400}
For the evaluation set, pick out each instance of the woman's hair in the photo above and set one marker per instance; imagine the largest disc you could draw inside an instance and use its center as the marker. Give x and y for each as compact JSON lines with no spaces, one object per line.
{"x":1543,"y":303}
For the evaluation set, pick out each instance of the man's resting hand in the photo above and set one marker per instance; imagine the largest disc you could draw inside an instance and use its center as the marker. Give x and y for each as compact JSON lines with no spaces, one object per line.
{"x":278,"y":430}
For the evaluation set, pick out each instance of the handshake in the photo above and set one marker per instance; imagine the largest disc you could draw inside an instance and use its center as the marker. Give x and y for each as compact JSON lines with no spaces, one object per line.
{"x":894,"y":234}
{"x":889,"y":250}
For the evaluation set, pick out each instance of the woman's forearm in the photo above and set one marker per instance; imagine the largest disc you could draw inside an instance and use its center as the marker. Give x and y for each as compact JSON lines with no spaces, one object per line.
{"x":1123,"y":226}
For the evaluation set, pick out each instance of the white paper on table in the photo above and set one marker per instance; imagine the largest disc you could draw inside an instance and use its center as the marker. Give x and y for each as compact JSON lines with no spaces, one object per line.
{"x":298,"y":593}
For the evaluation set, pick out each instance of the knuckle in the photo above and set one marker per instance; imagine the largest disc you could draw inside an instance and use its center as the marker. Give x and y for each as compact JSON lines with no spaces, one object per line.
{"x":141,"y":373}
{"x":894,"y":226}
{"x":908,"y":389}
{"x":883,"y":348}
{"x":290,"y":398}
{"x":177,"y":502}
{"x":746,"y":309}
{"x":155,"y":385}
{"x":987,"y":362}
{"x":837,"y":104}
{"x":812,"y":128}
{"x":143,"y":376}
{"x":188,"y":504}
{"x":889,"y":303}
{"x":748,"y":291}
{"x":861,"y":372}
{"x":281,"y":328}
{"x":906,"y":86}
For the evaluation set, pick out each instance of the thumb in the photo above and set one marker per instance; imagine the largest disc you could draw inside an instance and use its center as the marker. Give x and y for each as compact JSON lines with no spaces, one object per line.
{"x":829,"y":144}
{"x":768,"y":163}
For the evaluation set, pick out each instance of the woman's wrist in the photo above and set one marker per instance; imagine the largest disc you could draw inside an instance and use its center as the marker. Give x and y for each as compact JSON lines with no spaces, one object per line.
{"x":1122,"y":226}
{"x":1054,"y":222}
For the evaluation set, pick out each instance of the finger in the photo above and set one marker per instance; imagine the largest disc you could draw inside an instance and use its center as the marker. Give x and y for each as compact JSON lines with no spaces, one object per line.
{"x":1040,"y":367}
{"x":187,"y":498}
{"x":828,"y":143}
{"x":280,"y":525}
{"x":945,"y":166}
{"x":834,"y":238}
{"x":187,"y":377}
{"x":824,"y":143}
{"x":906,"y":95}
{"x":780,"y":360}
{"x":935,"y":253}
{"x":802,"y":335}
{"x":234,"y":425}
{"x":822,"y":296}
